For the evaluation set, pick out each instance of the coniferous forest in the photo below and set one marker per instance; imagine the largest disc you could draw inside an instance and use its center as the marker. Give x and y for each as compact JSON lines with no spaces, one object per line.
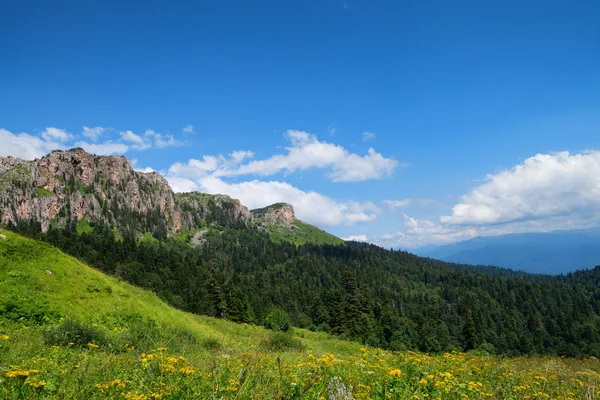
{"x":362,"y":292}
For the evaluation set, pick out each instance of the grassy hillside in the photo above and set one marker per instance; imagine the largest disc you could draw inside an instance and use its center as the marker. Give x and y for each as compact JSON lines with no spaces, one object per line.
{"x":286,"y":228}
{"x":68,"y":331}
{"x":301,"y":233}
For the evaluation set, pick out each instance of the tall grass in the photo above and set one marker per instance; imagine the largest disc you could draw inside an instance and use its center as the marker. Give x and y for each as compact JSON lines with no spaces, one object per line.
{"x":69,"y":332}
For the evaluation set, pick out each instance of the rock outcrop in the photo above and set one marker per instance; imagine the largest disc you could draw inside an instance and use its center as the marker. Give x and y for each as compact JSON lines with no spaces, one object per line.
{"x":68,"y":186}
{"x":276,"y":213}
{"x":198,"y":208}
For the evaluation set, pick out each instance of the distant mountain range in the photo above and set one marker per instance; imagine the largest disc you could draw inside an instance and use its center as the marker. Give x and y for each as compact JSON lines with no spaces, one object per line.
{"x":542,"y":253}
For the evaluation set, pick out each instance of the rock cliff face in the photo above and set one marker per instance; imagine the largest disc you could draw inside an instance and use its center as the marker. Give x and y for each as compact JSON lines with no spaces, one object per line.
{"x":198,"y":208}
{"x":277,"y":213}
{"x":67,"y":186}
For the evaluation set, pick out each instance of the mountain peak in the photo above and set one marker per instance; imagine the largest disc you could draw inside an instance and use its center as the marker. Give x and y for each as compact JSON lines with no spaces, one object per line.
{"x":68,"y":186}
{"x":278,"y":212}
{"x":73,"y":185}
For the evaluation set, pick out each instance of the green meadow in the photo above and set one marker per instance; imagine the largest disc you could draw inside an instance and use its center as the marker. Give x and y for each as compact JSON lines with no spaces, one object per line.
{"x":67,"y":331}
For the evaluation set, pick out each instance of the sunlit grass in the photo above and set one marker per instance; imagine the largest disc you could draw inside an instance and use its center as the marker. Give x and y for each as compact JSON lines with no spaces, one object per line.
{"x":149,"y":350}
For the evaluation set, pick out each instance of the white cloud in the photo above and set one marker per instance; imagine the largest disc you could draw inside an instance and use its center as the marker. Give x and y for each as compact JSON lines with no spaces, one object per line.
{"x":93,"y":133}
{"x":194,"y":168}
{"x":306,"y":151}
{"x":137,"y":141}
{"x":59,"y":135}
{"x":311,"y":207}
{"x":394,"y":205}
{"x":103,"y":149}
{"x":544,"y":193}
{"x":424,"y":231}
{"x":25,"y":146}
{"x":419,"y":233}
{"x":544,"y":186}
{"x":240,"y":155}
{"x":356,"y":238}
{"x":136,"y":167}
{"x":367,"y":136}
{"x":182,"y":185}
{"x":28,"y":146}
{"x":189,"y":129}
{"x":161,"y":141}
{"x":148,"y":139}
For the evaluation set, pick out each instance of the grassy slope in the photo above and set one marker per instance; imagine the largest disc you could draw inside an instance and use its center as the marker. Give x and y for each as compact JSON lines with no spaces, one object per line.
{"x":236,"y":363}
{"x":301,"y":234}
{"x":74,"y":289}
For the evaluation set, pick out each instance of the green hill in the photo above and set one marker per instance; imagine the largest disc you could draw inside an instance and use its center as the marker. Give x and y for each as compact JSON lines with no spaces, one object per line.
{"x":279,"y":221}
{"x":41,"y":284}
{"x":68,"y":331}
{"x":388,"y":299}
{"x":301,"y":233}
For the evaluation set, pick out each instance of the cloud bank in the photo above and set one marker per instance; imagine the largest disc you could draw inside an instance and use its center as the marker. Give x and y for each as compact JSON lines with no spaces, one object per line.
{"x":29,"y":146}
{"x":306,"y":152}
{"x":546,"y":192}
{"x":212,"y":174}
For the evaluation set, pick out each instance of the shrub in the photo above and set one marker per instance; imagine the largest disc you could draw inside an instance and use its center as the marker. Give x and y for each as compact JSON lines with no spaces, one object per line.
{"x":278,"y":320}
{"x":211,"y":343}
{"x":141,"y":332}
{"x":146,"y":334}
{"x":324,"y":327}
{"x":303,"y":321}
{"x":281,"y":342}
{"x":75,"y":333}
{"x":25,"y":307}
{"x":485,"y":348}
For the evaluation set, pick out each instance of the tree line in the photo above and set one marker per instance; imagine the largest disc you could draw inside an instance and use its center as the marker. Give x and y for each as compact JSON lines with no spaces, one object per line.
{"x":385,"y":298}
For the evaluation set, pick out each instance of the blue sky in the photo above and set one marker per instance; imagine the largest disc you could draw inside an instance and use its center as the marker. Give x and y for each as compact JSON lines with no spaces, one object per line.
{"x":470,"y":107}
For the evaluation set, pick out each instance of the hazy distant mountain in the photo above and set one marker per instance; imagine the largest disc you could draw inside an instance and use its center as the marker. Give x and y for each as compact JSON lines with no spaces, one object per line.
{"x":548,"y":253}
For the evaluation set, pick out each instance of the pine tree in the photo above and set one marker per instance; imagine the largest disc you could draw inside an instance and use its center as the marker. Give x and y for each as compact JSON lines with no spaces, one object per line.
{"x":352,"y":305}
{"x":469,"y":331}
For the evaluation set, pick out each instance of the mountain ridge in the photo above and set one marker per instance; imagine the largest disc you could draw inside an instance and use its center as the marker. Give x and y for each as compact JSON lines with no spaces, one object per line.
{"x":72,"y":186}
{"x":554,"y":252}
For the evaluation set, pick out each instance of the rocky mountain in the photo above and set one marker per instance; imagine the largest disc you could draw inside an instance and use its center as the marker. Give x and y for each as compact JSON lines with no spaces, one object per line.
{"x":70,"y":186}
{"x":73,"y":185}
{"x":199,"y":209}
{"x":277,"y":213}
{"x":280,"y":222}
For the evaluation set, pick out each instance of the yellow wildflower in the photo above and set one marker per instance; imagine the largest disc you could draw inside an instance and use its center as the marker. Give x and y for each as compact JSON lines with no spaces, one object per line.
{"x":167,"y":368}
{"x":133,"y":396}
{"x":395,"y":373}
{"x":14,"y":374}
{"x":187,"y":370}
{"x":34,"y":383}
